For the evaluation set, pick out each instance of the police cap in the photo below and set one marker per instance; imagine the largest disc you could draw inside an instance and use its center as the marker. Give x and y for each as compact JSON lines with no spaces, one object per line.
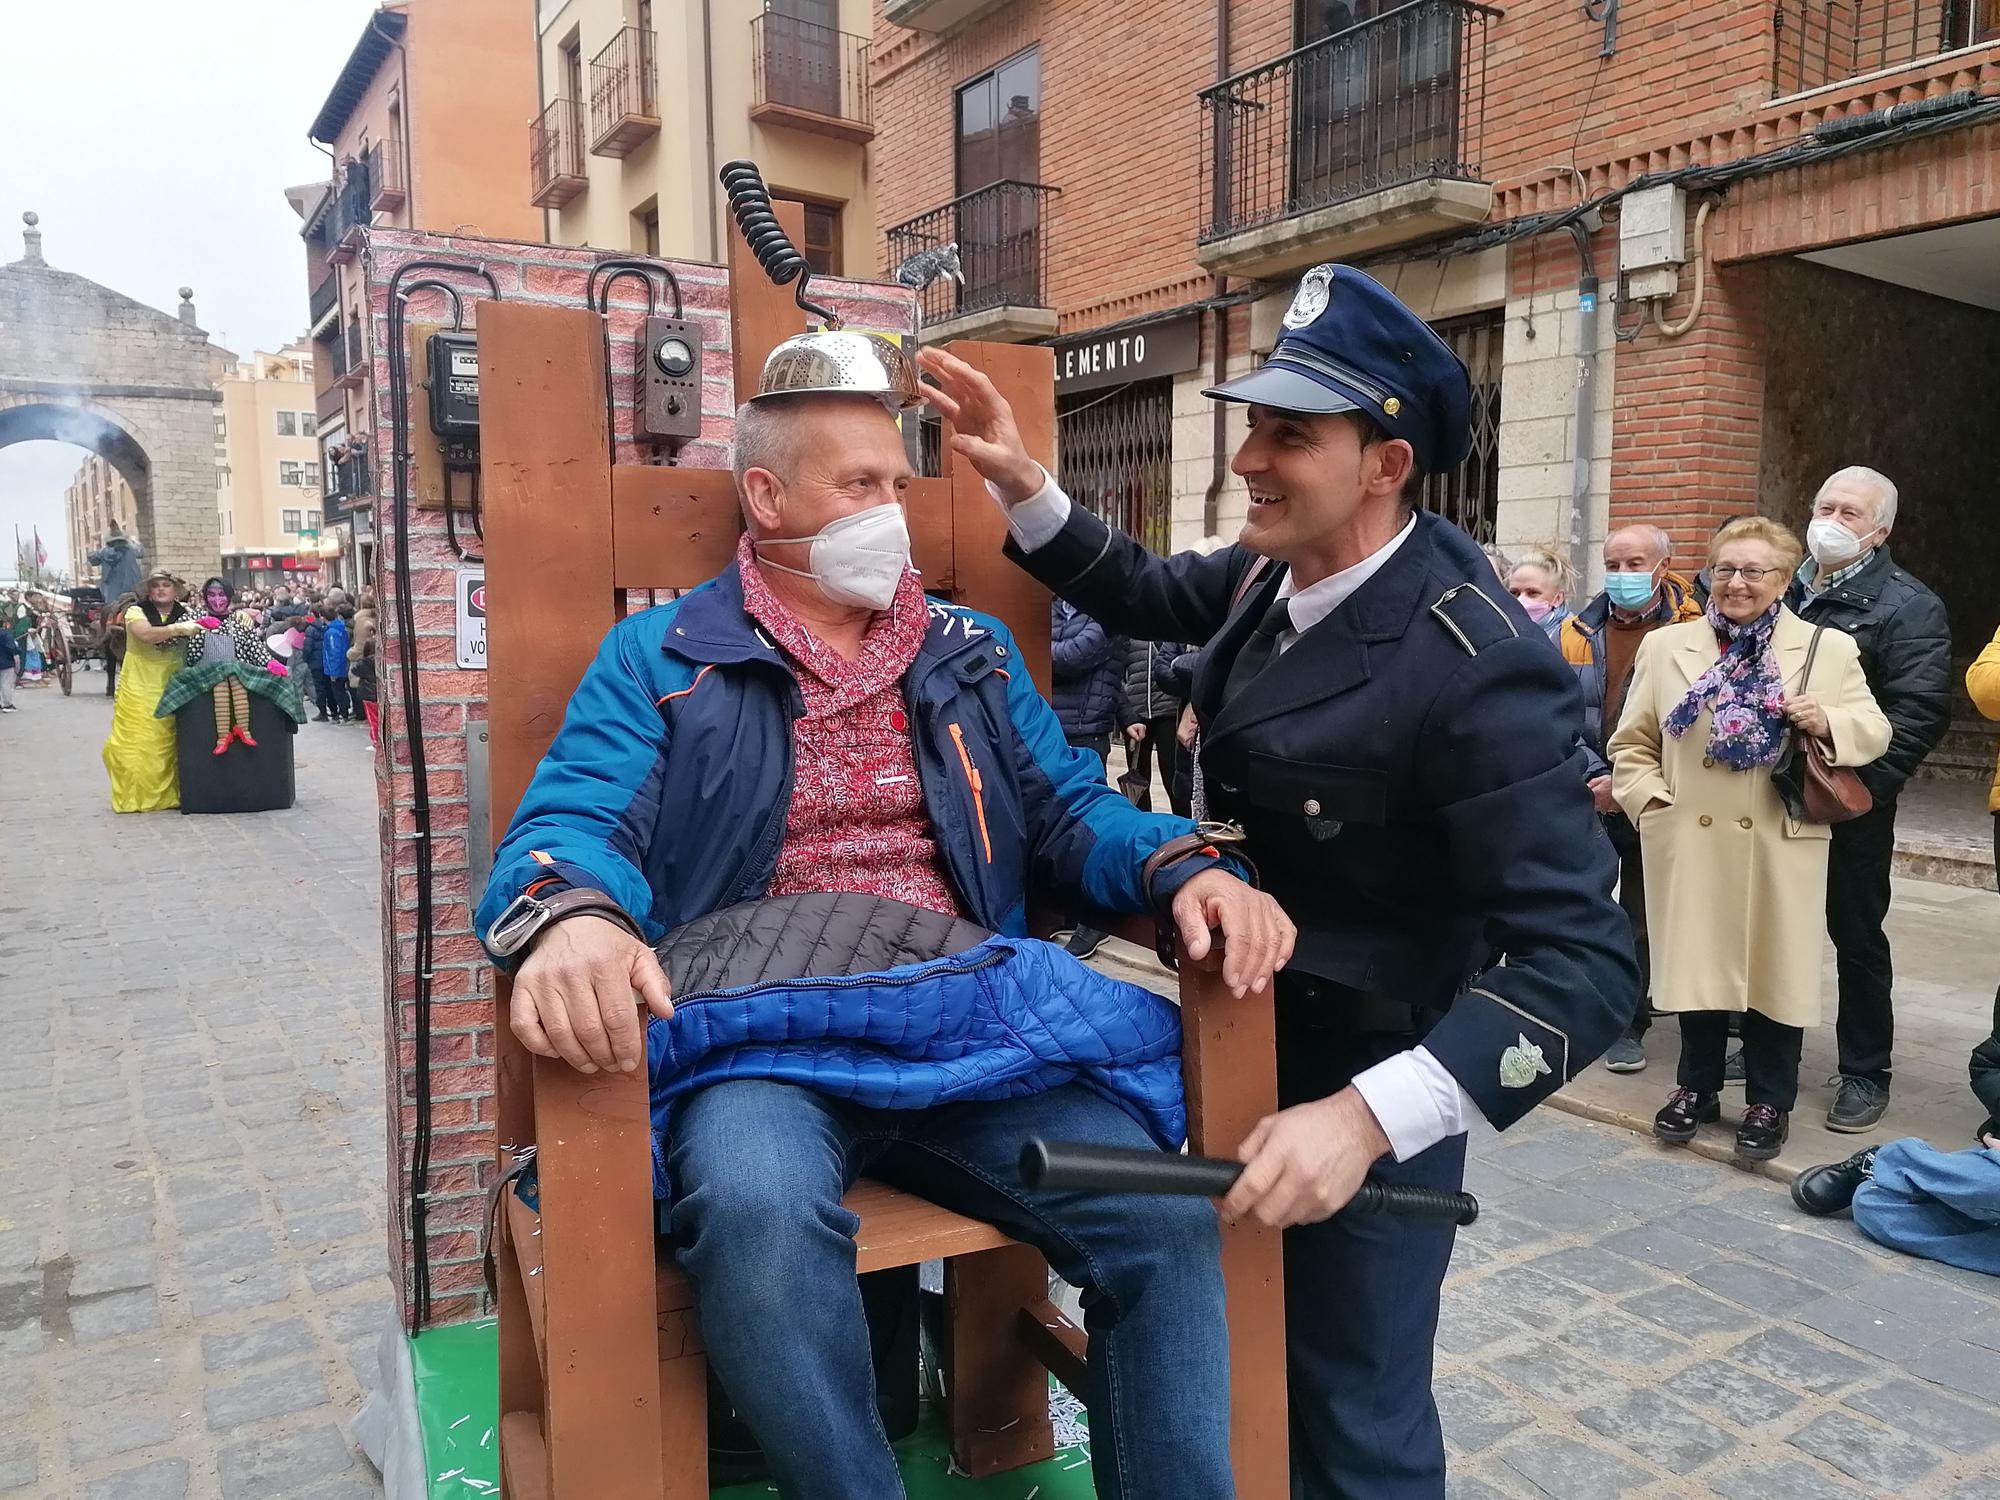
{"x":1350,"y":345}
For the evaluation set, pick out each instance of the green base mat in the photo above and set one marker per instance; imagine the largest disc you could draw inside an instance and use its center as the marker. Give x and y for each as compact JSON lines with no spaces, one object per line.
{"x":458,"y":1402}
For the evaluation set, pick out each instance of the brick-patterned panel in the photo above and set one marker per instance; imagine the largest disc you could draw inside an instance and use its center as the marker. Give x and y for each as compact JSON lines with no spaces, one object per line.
{"x":453,"y":700}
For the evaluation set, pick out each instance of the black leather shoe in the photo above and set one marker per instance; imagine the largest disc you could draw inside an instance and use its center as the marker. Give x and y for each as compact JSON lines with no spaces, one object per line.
{"x":1685,"y":1112}
{"x":1762,"y":1133}
{"x":1857,"y":1106}
{"x":1830,"y":1189}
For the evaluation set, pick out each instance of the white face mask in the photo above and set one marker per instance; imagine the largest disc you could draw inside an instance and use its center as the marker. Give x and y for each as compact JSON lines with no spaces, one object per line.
{"x":858,"y":560}
{"x":1831,"y":543}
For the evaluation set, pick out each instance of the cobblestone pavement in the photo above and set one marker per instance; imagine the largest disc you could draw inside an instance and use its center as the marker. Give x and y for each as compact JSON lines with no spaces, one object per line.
{"x":192,"y":1272}
{"x":192,"y":1275}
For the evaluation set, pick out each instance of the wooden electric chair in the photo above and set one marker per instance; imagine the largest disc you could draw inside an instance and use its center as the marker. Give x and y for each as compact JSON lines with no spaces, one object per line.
{"x":603,"y":1391}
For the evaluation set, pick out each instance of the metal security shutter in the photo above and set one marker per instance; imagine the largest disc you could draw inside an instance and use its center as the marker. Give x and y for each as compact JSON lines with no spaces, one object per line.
{"x":1115,"y":453}
{"x":1468,"y":495}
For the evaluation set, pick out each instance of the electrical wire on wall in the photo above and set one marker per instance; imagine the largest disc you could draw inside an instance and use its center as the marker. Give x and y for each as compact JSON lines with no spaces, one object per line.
{"x":400,"y":291}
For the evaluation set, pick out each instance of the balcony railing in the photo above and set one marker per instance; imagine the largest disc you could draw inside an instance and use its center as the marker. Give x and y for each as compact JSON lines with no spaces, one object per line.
{"x":385,"y":175}
{"x":1396,"y":99}
{"x":352,"y":211}
{"x":624,"y":94}
{"x":349,"y":367}
{"x":322,"y":299}
{"x":1817,"y":42}
{"x":1002,"y":249}
{"x":555,"y":154}
{"x":810,"y":77}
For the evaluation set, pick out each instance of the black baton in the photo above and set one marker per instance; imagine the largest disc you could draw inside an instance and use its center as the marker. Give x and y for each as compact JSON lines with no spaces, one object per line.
{"x":1121,"y":1169}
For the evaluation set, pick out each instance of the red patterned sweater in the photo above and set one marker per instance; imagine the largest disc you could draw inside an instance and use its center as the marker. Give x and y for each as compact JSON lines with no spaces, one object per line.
{"x":857,"y":820}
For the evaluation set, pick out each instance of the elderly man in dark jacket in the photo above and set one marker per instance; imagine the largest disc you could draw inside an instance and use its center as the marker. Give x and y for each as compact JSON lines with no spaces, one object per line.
{"x":1851,"y":583}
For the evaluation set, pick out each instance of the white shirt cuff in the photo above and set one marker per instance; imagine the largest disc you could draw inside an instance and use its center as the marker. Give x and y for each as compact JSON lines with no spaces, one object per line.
{"x":1036,"y":520}
{"x":1415,"y":1101}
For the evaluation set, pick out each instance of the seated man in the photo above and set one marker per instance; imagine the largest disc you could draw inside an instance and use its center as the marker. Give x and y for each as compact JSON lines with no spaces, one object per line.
{"x":809,"y":721}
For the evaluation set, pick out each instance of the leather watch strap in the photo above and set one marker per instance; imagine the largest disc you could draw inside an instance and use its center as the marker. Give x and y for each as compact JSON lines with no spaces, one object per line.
{"x":582,"y":901}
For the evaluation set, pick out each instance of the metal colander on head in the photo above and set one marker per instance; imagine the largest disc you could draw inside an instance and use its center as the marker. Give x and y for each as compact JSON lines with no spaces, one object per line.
{"x":837,"y":362}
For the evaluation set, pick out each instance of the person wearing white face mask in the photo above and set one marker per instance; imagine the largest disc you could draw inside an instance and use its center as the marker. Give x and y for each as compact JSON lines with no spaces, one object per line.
{"x":1851,"y":583}
{"x":809,"y":722}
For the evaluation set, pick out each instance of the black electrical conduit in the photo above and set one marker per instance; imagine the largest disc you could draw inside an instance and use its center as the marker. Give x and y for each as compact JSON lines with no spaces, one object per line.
{"x":400,"y":291}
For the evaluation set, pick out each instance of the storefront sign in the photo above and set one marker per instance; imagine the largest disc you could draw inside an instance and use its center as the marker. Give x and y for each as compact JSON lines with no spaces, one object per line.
{"x":471,"y":593}
{"x":257,"y":564}
{"x":1112,"y":358}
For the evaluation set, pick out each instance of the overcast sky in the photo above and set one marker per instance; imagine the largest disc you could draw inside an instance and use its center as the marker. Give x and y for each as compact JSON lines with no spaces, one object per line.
{"x":156,"y":138}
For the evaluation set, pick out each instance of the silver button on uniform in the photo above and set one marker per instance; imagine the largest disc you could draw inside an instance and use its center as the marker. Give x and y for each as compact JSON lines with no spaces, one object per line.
{"x":1312,"y":807}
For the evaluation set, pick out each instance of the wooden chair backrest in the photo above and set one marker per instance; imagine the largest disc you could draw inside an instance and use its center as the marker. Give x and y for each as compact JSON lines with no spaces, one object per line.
{"x":567,"y":534}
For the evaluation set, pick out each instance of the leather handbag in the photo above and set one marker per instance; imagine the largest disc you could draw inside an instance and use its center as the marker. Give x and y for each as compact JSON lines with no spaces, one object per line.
{"x":1813,"y":789}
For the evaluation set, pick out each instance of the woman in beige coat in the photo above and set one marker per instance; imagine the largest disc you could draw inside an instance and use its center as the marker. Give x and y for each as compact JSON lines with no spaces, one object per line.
{"x":1735,"y":887}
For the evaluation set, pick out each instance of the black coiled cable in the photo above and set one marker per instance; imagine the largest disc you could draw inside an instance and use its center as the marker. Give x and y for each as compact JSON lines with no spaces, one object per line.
{"x":750,"y":202}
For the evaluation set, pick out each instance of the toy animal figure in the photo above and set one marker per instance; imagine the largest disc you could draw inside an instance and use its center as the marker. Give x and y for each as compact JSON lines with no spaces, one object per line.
{"x":224,"y":639}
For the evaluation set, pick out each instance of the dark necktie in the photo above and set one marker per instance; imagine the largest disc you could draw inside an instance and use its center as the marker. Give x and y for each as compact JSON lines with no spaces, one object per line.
{"x":1262,"y":646}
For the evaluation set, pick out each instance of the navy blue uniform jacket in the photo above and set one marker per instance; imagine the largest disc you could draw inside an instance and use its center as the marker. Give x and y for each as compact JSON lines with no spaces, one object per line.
{"x":1409,"y":779}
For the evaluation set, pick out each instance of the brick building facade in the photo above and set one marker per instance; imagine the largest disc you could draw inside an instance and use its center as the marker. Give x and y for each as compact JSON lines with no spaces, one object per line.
{"x":1199,"y":156}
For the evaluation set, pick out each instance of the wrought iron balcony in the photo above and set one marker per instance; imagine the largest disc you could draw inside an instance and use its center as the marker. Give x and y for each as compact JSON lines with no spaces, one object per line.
{"x":385,"y":175}
{"x":1826,"y":41}
{"x":1364,"y":138}
{"x":555,"y":154}
{"x":350,"y":366}
{"x":624,"y":94}
{"x":1003,"y":253}
{"x":811,"y":78}
{"x":322,"y":299}
{"x":352,"y":211}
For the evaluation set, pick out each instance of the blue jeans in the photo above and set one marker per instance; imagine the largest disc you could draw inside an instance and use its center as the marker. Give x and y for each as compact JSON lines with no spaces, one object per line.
{"x":1941,"y":1205}
{"x":759,"y":1169}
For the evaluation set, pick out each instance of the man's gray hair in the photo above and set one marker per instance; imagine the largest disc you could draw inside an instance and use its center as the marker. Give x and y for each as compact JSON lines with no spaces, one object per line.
{"x":1657,"y":540}
{"x":764,"y":439}
{"x":1881,"y":484}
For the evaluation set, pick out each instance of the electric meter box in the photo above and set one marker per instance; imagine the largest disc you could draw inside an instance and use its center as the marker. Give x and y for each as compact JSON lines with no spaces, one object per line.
{"x":669,"y":385}
{"x":1652,"y":240}
{"x":453,"y":358}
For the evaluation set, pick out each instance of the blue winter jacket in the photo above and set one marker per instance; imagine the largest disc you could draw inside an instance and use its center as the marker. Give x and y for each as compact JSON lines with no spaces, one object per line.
{"x":333,"y":649}
{"x":1008,"y":1018}
{"x":668,"y":785}
{"x":1087,"y":664}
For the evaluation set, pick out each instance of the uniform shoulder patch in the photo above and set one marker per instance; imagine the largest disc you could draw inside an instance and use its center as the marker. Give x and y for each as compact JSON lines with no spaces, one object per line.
{"x":1472,"y":619}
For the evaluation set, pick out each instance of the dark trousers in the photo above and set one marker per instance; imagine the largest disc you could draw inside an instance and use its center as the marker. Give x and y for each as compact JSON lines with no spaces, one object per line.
{"x":336,"y":699}
{"x":1857,"y":899}
{"x":1361,"y":1308}
{"x":1160,"y":740}
{"x":317,"y":683}
{"x":1770,"y":1056}
{"x":1632,"y":901}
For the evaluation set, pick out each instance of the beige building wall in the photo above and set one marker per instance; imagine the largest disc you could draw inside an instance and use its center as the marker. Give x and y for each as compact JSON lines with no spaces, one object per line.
{"x":674,"y":170}
{"x":270,"y":490}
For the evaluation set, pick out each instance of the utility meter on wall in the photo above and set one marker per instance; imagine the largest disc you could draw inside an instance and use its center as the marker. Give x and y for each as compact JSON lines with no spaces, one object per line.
{"x":454,"y":383}
{"x":669,"y":381}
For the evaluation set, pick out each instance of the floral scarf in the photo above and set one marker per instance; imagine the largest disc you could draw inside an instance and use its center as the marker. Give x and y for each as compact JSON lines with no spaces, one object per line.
{"x":1746,"y":690}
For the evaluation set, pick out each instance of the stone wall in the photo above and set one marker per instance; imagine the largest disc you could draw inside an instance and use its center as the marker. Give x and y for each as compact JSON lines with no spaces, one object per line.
{"x":454,"y":709}
{"x":81,"y":363}
{"x":1862,"y":372}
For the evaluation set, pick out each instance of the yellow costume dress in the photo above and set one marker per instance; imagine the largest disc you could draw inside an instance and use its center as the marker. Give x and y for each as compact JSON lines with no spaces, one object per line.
{"x":145,"y":771}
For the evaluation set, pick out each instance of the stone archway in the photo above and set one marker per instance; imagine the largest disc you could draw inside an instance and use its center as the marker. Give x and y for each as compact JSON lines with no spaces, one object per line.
{"x":83,"y":364}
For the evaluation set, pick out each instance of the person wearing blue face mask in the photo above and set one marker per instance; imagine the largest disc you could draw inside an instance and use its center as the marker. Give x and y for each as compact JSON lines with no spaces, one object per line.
{"x":1601,"y":641}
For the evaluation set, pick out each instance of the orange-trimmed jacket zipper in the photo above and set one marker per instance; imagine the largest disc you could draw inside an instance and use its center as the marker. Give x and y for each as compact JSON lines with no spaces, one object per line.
{"x":978,"y":789}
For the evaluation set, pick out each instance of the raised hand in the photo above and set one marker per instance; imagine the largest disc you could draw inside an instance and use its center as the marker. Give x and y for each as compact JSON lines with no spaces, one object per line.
{"x":982,"y":425}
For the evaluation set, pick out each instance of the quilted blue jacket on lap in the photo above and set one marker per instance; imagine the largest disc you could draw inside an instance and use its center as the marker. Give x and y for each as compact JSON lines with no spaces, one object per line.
{"x":1010,"y":1017}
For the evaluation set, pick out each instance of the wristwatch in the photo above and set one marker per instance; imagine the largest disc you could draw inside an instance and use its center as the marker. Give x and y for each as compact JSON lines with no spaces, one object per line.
{"x":525,"y":917}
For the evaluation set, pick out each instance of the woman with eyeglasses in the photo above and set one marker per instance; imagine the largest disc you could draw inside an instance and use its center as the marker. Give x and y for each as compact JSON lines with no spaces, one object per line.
{"x":1735,"y":886}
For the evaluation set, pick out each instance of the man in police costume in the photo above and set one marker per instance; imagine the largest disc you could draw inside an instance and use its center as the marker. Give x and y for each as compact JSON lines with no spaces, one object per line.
{"x":1398,"y":742}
